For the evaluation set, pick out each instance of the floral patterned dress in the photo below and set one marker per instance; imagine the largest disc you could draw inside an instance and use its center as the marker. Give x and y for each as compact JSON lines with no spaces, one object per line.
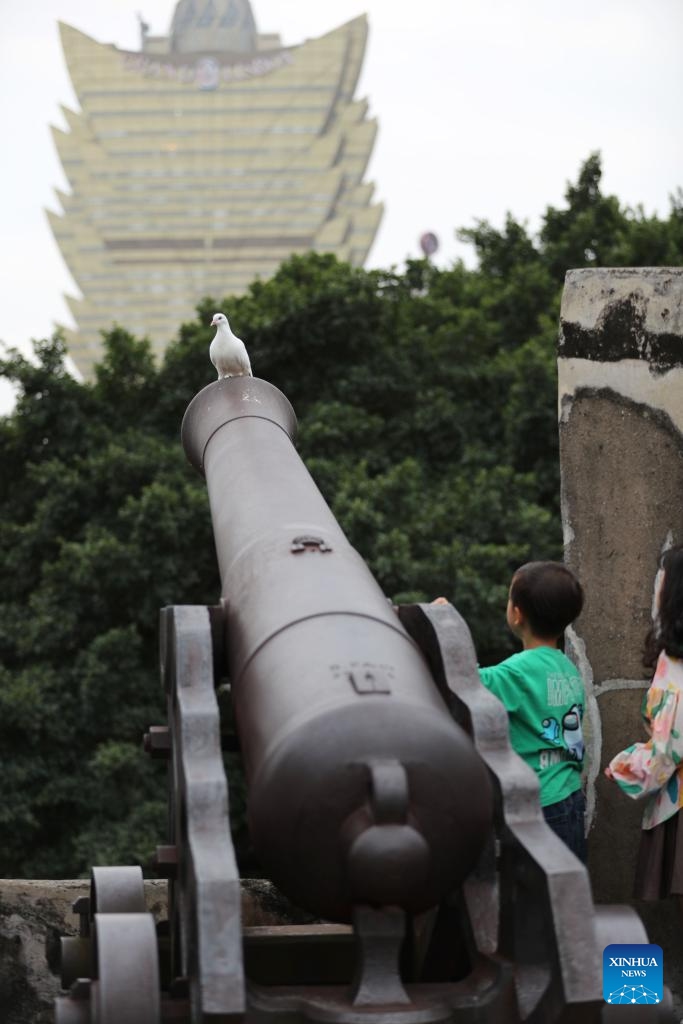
{"x":654,"y":768}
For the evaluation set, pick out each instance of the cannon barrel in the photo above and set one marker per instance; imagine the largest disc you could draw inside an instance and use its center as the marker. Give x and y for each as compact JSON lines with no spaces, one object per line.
{"x":361,"y":787}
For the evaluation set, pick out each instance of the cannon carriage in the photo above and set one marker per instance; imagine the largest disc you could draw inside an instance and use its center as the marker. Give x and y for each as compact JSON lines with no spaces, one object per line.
{"x":383,"y":796}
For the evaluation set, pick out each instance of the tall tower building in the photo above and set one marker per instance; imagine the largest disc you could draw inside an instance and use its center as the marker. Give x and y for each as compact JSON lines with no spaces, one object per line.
{"x":202,"y":161}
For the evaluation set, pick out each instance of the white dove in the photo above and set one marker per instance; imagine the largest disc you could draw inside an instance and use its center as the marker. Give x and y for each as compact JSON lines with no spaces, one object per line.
{"x":227,"y":351}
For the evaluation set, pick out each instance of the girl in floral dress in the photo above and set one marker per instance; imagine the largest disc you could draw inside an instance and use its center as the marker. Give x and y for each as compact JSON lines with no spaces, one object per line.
{"x":653,"y":769}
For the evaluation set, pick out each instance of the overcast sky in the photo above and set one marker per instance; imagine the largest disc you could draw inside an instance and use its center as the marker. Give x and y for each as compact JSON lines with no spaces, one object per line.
{"x":483,"y":107}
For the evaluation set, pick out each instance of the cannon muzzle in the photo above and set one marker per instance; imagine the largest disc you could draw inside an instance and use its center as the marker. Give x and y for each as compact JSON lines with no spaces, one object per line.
{"x":361,"y":787}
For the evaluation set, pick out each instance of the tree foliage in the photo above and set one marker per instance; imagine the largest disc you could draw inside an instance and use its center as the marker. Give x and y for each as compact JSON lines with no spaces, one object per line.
{"x":427,"y":414}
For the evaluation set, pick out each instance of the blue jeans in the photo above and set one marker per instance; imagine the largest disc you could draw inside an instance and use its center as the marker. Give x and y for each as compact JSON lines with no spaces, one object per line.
{"x":566,"y":819}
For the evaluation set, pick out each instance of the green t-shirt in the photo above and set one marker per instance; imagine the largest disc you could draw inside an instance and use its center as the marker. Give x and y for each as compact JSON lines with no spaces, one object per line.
{"x":544,"y":697}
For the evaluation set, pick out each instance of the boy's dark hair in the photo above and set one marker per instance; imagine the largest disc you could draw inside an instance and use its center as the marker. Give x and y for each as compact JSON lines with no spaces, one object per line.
{"x":549,"y":596}
{"x":667,"y":631}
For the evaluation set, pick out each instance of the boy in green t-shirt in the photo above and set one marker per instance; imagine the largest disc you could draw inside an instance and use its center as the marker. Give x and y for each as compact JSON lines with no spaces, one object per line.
{"x":543,"y":693}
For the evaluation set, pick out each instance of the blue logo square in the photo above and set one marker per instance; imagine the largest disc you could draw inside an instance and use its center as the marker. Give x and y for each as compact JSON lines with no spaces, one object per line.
{"x":632,"y":973}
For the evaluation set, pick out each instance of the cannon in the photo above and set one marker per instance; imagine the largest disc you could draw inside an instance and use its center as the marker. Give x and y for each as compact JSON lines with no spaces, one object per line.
{"x":384,"y":798}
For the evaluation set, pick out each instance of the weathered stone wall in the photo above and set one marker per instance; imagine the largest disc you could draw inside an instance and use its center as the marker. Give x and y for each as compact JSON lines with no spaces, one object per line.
{"x":620,"y":374}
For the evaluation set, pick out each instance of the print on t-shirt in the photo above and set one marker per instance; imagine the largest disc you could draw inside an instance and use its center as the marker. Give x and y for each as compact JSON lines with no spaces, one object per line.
{"x":566,"y":735}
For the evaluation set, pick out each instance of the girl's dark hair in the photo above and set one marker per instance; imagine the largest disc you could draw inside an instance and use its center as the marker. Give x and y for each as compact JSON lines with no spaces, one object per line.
{"x":549,"y":596}
{"x":667,"y":630}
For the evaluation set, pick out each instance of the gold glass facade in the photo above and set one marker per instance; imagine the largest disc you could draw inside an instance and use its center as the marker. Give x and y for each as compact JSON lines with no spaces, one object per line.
{"x":192,"y":172}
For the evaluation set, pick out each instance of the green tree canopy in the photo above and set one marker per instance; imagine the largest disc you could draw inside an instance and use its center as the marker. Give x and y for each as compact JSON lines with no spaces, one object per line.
{"x":427,"y":413}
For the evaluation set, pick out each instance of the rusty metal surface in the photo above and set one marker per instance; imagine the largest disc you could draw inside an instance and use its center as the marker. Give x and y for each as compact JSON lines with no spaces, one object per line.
{"x":75,"y":959}
{"x":378,"y":981}
{"x":326,"y":684}
{"x":126,"y":989}
{"x":205,"y":899}
{"x":72,"y":1011}
{"x":112,"y":890}
{"x":117,"y":890}
{"x":486,"y":996}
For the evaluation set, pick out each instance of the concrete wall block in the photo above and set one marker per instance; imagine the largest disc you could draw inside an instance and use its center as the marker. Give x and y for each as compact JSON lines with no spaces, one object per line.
{"x":620,"y":410}
{"x":620,"y":407}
